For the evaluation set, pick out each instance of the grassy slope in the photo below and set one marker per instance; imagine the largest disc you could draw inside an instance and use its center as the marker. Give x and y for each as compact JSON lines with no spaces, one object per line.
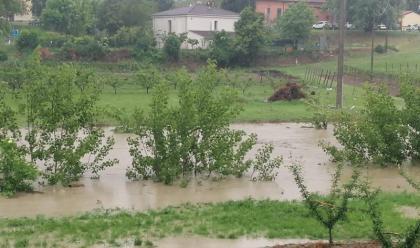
{"x":270,"y":219}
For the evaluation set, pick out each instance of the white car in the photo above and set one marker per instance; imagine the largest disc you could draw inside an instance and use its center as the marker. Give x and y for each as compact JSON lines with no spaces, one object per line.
{"x":349,"y":25}
{"x":322,"y":25}
{"x":382,"y":27}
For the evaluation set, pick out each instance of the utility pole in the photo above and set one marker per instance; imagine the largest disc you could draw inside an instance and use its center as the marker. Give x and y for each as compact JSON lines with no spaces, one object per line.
{"x":340,"y":69}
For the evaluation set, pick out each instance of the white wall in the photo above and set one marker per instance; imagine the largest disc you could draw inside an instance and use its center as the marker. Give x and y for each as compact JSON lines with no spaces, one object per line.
{"x":161,"y":24}
{"x":184,"y":24}
{"x":203,"y":23}
{"x":410,"y":19}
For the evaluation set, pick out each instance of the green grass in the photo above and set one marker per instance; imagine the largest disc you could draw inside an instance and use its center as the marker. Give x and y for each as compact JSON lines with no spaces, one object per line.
{"x":271,"y":219}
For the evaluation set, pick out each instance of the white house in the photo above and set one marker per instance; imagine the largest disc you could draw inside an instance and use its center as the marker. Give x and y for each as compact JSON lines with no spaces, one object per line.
{"x":199,"y":22}
{"x":409,"y":18}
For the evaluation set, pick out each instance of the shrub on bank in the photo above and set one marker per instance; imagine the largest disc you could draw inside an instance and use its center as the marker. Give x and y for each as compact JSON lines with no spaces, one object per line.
{"x":28,"y":40}
{"x":85,"y":47}
{"x":3,"y":56}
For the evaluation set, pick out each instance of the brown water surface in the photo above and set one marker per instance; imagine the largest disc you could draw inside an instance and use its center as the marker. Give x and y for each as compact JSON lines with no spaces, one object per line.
{"x":113,"y":190}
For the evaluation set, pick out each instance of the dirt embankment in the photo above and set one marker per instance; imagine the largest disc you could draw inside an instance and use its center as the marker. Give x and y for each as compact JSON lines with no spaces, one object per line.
{"x":326,"y":245}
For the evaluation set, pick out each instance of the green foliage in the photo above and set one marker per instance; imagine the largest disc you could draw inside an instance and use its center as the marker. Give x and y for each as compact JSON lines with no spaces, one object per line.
{"x":366,"y":14}
{"x":265,"y":166}
{"x":250,"y":33}
{"x":165,"y":4}
{"x":3,"y":56}
{"x":330,"y":209}
{"x":375,"y":133}
{"x":222,"y":49}
{"x":148,"y":77}
{"x":194,"y":137}
{"x":60,"y":115}
{"x":172,"y":47}
{"x":68,"y":16}
{"x":296,"y":23}
{"x":53,"y":40}
{"x":10,"y":7}
{"x":145,"y":47}
{"x":113,"y":14}
{"x":85,"y":47}
{"x":411,"y":116}
{"x":237,"y":5}
{"x":28,"y":40}
{"x":16,"y":174}
{"x":409,"y":239}
{"x":380,"y":49}
{"x":38,"y":6}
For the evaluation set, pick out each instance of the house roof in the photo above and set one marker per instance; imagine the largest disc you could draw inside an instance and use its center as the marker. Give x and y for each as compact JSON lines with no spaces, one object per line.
{"x":197,"y":10}
{"x":407,"y":12}
{"x":308,"y":1}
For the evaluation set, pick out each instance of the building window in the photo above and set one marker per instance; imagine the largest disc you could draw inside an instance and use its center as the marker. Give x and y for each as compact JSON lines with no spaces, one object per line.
{"x":215,"y":25}
{"x":279,"y":12}
{"x":268,"y":12}
{"x":169,"y":26}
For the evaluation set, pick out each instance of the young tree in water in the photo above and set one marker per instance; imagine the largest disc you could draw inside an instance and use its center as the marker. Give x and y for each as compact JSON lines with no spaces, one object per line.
{"x":296,"y":23}
{"x":61,"y":125}
{"x":16,"y":173}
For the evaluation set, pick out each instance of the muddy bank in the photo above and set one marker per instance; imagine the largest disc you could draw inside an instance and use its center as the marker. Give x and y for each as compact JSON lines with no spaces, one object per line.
{"x":182,"y":242}
{"x":113,"y":190}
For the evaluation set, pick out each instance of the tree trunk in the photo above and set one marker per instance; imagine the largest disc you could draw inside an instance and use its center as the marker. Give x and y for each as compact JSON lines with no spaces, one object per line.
{"x":330,"y":237}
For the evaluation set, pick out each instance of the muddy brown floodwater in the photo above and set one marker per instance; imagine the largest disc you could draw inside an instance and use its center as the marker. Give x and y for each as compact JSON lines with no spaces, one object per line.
{"x":113,"y":190}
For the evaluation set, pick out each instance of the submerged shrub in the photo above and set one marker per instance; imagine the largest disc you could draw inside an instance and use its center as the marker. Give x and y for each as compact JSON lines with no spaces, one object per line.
{"x":15,"y":173}
{"x":194,"y":137}
{"x":376,"y":133}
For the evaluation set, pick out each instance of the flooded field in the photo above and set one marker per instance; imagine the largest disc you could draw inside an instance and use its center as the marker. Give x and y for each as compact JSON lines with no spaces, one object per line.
{"x":113,"y":190}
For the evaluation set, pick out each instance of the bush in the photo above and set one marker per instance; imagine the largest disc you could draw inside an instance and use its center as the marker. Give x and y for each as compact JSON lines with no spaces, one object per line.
{"x":221,"y":50}
{"x":3,"y":56}
{"x":380,"y":49}
{"x":27,"y":40}
{"x":172,"y":47}
{"x":16,"y":174}
{"x":84,"y":47}
{"x":53,"y":40}
{"x":380,"y":132}
{"x":194,"y":138}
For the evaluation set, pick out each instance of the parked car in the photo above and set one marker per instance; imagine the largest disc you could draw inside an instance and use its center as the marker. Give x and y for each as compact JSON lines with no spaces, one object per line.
{"x":411,"y":28}
{"x":322,"y":25}
{"x":382,"y":27}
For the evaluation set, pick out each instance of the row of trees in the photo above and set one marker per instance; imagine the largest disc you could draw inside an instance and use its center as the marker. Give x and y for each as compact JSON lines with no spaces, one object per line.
{"x":89,"y":16}
{"x":61,"y":137}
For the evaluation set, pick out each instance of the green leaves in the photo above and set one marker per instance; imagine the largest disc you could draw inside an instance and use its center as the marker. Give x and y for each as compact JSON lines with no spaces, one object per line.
{"x":296,"y":23}
{"x":194,"y":138}
{"x":61,"y":114}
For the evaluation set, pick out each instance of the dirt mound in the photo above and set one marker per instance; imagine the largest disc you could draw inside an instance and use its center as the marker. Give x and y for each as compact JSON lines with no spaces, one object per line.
{"x":326,"y":245}
{"x":291,"y":91}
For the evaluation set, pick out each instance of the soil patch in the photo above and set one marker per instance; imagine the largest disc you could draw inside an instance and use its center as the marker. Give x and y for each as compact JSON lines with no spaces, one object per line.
{"x":359,"y":80}
{"x":291,"y":91}
{"x":326,"y":245}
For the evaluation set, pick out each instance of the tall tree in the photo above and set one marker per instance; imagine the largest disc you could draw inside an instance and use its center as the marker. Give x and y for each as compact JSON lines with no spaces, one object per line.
{"x":165,"y":4}
{"x":68,"y":16}
{"x":237,"y":5}
{"x":250,"y":35}
{"x":38,"y":6}
{"x":114,"y":14}
{"x":296,"y":23}
{"x":11,"y":7}
{"x":413,"y":5}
